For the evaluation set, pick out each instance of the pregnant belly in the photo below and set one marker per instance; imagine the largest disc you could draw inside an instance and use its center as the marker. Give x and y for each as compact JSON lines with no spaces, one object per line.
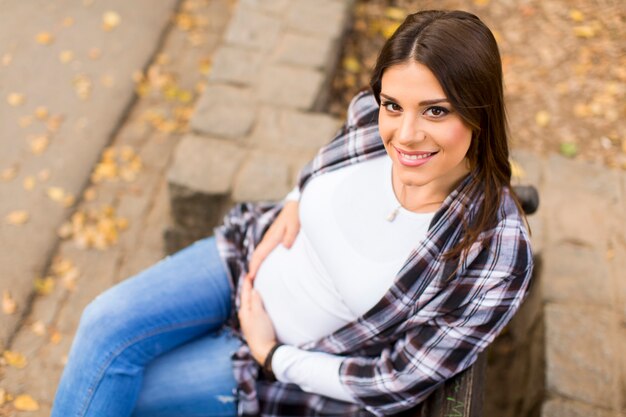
{"x":298,"y":295}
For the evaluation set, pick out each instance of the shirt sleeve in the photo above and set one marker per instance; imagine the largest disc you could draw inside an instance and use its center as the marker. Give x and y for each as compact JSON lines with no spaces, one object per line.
{"x":294,"y":194}
{"x":315,"y":372}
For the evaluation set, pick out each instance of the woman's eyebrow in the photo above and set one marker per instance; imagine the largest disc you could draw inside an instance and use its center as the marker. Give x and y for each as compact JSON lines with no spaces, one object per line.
{"x":421,"y":103}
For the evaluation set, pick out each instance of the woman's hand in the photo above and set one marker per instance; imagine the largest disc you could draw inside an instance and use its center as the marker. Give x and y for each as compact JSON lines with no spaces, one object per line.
{"x":256,"y":324}
{"x":284,"y":230}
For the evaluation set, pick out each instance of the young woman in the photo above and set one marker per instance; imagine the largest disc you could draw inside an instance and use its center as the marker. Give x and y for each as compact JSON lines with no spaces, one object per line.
{"x":397,"y":260}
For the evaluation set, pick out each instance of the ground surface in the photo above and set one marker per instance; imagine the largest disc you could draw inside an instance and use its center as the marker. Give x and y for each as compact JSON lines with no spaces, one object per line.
{"x":564,"y":68}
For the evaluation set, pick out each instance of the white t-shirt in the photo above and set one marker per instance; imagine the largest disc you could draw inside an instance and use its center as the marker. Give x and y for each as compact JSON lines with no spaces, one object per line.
{"x":343,"y":260}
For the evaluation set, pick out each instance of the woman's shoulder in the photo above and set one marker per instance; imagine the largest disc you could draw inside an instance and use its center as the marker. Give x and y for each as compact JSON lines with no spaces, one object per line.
{"x":362,"y":110}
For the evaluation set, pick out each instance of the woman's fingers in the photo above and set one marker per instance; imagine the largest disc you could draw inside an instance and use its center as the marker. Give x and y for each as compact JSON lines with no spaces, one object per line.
{"x":290,"y":236}
{"x":267,"y":245}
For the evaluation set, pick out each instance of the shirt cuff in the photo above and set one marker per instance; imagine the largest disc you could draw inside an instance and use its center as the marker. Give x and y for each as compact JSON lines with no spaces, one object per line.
{"x":315,"y":372}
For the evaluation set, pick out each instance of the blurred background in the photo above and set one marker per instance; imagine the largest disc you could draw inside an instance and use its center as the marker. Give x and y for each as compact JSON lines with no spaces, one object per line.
{"x":127,"y":129}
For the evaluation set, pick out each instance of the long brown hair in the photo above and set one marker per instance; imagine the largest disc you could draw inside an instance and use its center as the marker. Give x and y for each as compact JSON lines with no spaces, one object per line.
{"x":463,"y":55}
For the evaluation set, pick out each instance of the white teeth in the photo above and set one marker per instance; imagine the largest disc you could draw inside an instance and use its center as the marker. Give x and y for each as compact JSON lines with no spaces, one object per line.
{"x":415,"y":157}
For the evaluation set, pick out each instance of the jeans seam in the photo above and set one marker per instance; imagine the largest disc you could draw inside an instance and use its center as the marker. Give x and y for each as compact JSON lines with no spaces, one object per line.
{"x":116,"y":352}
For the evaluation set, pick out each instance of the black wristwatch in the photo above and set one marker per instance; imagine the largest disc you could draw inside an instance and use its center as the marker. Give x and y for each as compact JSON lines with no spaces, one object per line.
{"x":268,"y":373}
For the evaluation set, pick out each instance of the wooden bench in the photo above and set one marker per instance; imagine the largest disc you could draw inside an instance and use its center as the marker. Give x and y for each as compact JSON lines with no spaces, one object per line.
{"x":461,"y":396}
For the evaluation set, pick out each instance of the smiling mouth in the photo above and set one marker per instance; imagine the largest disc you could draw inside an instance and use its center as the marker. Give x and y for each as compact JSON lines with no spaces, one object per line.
{"x":416,"y":157}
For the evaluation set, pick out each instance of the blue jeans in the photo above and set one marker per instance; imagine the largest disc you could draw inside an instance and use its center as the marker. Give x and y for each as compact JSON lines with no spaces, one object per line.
{"x":155,"y":345}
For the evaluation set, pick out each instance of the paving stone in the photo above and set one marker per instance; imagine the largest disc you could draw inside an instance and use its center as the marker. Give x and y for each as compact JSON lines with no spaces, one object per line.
{"x":564,"y":174}
{"x":310,"y":51}
{"x":532,"y":165}
{"x":264,"y":177}
{"x":271,"y":6}
{"x":297,"y":130}
{"x":577,"y":217}
{"x":252,"y":29}
{"x":574,"y":273}
{"x":224,"y":111}
{"x":566,"y":408}
{"x":235,"y":65}
{"x":581,"y":354}
{"x":200,"y":180}
{"x":322,"y":17}
{"x":290,"y":86}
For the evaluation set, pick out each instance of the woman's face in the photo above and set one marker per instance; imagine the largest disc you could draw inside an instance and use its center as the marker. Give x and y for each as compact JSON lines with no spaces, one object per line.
{"x":426,"y":139}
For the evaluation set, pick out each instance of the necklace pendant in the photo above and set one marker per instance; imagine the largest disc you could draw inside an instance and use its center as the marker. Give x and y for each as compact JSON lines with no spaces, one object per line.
{"x":392,"y":216}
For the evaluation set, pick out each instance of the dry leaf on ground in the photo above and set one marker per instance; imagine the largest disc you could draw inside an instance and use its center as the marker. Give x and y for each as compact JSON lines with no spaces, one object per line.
{"x":25,"y":402}
{"x":9,"y":306}
{"x":16,"y":99}
{"x":7,"y":174}
{"x":15,"y":359}
{"x":110,"y":20}
{"x":17,"y":217}
{"x":44,"y":38}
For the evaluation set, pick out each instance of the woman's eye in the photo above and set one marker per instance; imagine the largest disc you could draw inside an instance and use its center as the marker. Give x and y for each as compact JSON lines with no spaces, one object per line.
{"x":392,"y":107}
{"x":436,"y":111}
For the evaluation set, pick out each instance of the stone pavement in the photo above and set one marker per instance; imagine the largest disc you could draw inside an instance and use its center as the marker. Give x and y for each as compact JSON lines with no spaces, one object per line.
{"x":66,"y":84}
{"x":259,"y":120}
{"x":565,"y":349}
{"x":115,"y":229}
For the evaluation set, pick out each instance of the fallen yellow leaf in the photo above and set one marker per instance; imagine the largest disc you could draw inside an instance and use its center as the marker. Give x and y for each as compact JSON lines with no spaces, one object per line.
{"x":25,"y":402}
{"x":38,"y":327}
{"x":585,"y":31}
{"x":3,"y":395}
{"x":16,"y":99}
{"x":44,"y":286}
{"x":61,"y":266}
{"x":9,"y":306}
{"x":7,"y":174}
{"x":481,"y":2}
{"x":542,"y":118}
{"x":56,"y":193}
{"x":44,"y":38}
{"x":395,"y":13}
{"x":576,"y":15}
{"x":15,"y":359}
{"x":351,"y":64}
{"x":517,"y":171}
{"x":17,"y":217}
{"x":39,"y":144}
{"x":110,"y":20}
{"x":29,"y":183}
{"x":41,"y":112}
{"x":55,"y":337}
{"x":66,"y":56}
{"x":82,"y":86}
{"x":390,"y":29}
{"x":205,"y":66}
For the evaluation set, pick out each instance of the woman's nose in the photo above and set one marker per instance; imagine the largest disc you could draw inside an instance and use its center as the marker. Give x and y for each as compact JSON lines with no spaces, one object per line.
{"x":410,"y":130}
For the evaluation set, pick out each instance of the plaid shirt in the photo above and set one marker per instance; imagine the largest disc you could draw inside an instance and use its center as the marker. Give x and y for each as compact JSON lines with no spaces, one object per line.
{"x":430,"y":325}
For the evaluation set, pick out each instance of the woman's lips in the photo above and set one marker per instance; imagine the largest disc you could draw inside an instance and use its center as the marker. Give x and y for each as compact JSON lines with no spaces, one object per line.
{"x":414,"y":159}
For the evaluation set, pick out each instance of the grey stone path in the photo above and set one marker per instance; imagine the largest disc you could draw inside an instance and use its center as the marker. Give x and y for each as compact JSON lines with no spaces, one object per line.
{"x":126,"y":197}
{"x":56,"y":56}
